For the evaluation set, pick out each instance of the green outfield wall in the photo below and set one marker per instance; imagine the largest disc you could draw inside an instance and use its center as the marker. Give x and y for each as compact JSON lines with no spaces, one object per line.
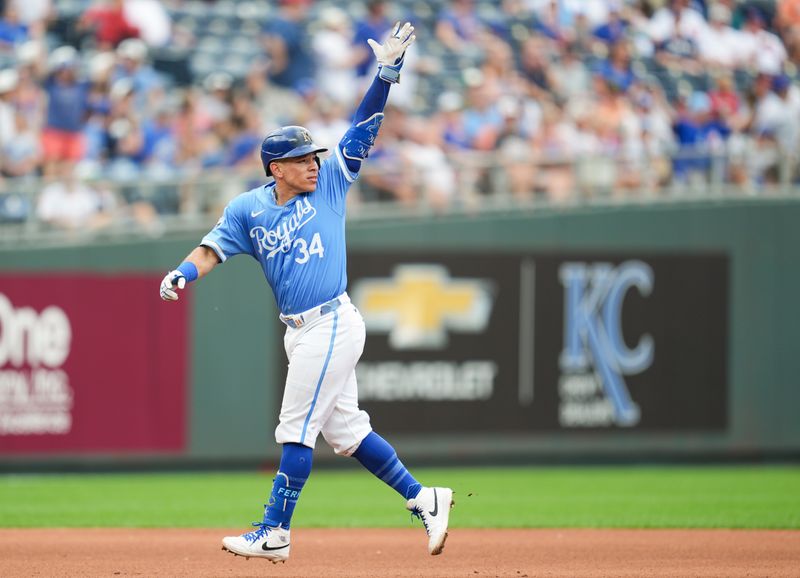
{"x":624,"y":332}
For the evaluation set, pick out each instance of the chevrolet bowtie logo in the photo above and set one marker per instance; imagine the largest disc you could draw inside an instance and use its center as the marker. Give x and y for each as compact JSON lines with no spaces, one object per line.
{"x":419,"y":303}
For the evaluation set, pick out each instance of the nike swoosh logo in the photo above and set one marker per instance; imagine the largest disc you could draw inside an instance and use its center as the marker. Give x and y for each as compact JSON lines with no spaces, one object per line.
{"x":435,"y":504}
{"x":268,"y":548}
{"x":254,"y":214}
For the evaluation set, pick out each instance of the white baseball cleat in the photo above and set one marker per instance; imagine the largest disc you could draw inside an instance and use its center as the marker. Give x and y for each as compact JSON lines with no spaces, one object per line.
{"x":263,"y":542}
{"x":432,"y":506}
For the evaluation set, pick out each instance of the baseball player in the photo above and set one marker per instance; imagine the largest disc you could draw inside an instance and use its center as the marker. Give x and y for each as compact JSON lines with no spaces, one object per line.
{"x":295,"y":228}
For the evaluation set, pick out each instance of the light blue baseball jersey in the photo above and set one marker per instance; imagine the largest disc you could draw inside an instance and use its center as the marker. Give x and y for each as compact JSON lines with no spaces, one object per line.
{"x":300,"y":245}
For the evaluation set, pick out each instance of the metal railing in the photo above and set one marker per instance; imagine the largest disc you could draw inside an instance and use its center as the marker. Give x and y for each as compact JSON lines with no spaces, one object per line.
{"x":467,"y":182}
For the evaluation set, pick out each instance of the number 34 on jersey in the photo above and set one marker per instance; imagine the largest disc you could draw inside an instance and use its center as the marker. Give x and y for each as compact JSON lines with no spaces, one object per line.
{"x":306,"y":250}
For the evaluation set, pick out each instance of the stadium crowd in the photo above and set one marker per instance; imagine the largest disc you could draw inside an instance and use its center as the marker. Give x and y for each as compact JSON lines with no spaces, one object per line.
{"x":119,"y":108}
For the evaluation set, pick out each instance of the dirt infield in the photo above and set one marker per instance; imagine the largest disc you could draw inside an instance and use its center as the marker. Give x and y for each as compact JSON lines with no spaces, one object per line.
{"x":383,"y":553}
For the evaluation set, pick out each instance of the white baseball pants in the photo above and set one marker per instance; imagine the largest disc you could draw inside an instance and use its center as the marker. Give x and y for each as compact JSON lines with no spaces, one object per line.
{"x":321,"y":394}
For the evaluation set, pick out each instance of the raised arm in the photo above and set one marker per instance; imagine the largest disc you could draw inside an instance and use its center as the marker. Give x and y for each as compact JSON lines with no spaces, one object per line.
{"x":367,"y":120}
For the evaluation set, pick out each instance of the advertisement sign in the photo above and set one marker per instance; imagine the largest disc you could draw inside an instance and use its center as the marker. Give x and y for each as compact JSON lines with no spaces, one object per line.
{"x":543,"y":342}
{"x":91,"y":363}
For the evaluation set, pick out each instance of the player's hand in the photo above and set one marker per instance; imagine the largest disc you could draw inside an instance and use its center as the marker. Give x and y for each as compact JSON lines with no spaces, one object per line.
{"x":173,"y":280}
{"x":391,"y":52}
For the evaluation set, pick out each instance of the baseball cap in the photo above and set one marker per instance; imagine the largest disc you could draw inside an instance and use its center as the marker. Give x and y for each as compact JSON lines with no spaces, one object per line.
{"x":699,"y":102}
{"x":781,"y":82}
{"x":755,"y":14}
{"x":219,"y":80}
{"x":132,"y":48}
{"x":9,"y":79}
{"x":120,"y":89}
{"x":719,"y":13}
{"x":100,"y":64}
{"x":333,"y":17}
{"x":450,"y":101}
{"x":28,"y":52}
{"x":63,"y":57}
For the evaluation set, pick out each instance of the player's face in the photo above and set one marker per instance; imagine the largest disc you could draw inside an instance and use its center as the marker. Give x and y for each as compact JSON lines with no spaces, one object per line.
{"x":300,"y":174}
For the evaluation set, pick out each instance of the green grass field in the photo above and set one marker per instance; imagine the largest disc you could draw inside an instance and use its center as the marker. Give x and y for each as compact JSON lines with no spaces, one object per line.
{"x":591,"y":497}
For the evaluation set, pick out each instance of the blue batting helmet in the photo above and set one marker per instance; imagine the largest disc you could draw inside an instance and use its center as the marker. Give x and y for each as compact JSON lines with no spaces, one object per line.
{"x":286,"y":143}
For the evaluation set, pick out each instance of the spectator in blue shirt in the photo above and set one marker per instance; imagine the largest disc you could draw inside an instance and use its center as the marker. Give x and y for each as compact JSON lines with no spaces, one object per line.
{"x":159,"y":141}
{"x":67,"y":109}
{"x":700,"y":134}
{"x":373,"y":26}
{"x":458,"y":27}
{"x":12,"y":31}
{"x":615,"y":28}
{"x":287,"y":43}
{"x":616,"y":69}
{"x":132,"y":64}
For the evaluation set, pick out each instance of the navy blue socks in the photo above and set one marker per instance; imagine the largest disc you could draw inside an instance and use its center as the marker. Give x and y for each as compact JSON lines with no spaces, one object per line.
{"x":291,"y":477}
{"x":379,"y":457}
{"x":374,"y":453}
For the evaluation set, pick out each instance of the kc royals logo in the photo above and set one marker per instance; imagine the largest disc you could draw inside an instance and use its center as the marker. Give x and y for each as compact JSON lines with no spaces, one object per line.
{"x":595,"y":358}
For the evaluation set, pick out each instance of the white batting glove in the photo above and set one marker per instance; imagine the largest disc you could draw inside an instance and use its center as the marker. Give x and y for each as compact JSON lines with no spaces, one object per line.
{"x":390,"y":54}
{"x":173,"y":280}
